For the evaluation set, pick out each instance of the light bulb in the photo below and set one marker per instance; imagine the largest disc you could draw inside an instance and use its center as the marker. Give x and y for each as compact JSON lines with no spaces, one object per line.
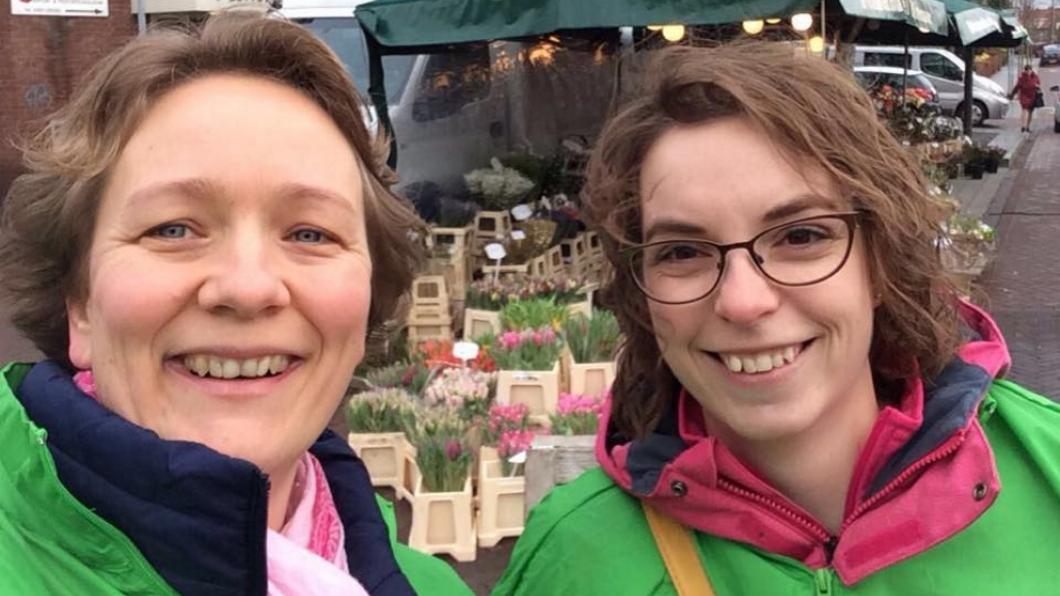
{"x":654,"y":27}
{"x":772,"y":21}
{"x":802,"y":21}
{"x":816,"y":44}
{"x":673,"y":32}
{"x":753,"y":27}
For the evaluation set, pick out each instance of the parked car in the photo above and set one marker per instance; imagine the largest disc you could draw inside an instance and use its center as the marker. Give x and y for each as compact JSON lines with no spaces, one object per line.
{"x":946,"y":72}
{"x":873,"y":77}
{"x":1050,"y":54}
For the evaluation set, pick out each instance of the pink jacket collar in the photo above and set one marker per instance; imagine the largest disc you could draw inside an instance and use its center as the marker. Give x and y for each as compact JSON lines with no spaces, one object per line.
{"x":927,"y":454}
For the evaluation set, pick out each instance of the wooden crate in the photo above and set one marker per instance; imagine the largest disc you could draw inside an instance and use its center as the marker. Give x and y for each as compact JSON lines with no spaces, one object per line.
{"x":591,"y":378}
{"x":383,"y":454}
{"x":574,"y":254}
{"x":491,"y":226}
{"x":555,"y":460}
{"x":443,"y":522}
{"x":460,"y":240}
{"x":506,"y":270}
{"x":479,"y":322}
{"x":423,"y":327}
{"x":430,"y":295}
{"x":538,"y":389}
{"x":501,"y":503}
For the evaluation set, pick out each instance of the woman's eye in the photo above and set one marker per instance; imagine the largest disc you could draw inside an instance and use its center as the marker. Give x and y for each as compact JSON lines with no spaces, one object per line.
{"x":309,"y":235}
{"x":803,"y":236}
{"x":170,"y":231}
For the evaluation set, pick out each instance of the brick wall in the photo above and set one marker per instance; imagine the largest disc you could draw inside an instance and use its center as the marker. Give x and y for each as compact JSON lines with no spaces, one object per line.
{"x":41,"y":61}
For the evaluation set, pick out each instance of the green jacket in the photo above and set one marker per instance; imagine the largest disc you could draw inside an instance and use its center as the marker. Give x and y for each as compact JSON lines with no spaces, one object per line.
{"x":51,"y":544}
{"x":591,"y":537}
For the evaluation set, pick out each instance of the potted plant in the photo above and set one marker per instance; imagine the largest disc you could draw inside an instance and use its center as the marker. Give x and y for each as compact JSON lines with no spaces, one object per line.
{"x":501,"y":483}
{"x":377,"y":420}
{"x":967,"y":247}
{"x":576,"y":414}
{"x":466,"y":390}
{"x":442,"y":520}
{"x":973,"y":162}
{"x":532,"y":314}
{"x":992,"y":158}
{"x":591,"y":345}
{"x":528,"y":369}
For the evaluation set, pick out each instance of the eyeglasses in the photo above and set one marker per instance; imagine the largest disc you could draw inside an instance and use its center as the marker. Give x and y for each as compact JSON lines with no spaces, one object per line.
{"x":796,"y":253}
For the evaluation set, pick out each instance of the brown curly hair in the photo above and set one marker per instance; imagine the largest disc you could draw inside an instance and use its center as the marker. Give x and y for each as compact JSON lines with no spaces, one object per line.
{"x":47,"y":219}
{"x":816,"y":113}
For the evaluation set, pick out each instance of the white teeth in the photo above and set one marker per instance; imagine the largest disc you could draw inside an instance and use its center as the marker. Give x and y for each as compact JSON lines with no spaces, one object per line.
{"x":734,"y":363}
{"x":230,"y":368}
{"x":762,"y":362}
{"x":789,"y":354}
{"x":278,"y":364}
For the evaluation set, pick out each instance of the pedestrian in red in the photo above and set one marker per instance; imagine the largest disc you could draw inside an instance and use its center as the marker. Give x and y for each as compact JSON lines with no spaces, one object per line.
{"x":1029,"y":88}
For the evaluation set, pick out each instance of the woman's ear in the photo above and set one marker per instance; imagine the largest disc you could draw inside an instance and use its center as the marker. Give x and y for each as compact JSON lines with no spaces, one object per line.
{"x":79,"y":331}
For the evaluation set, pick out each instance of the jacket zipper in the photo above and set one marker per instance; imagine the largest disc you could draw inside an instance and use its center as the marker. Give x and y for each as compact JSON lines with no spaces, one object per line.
{"x":946,"y":450}
{"x":819,"y":532}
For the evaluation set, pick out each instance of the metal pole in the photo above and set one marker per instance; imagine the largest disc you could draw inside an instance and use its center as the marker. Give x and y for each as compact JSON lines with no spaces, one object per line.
{"x":824,"y":37}
{"x":141,"y":18}
{"x":377,"y":91}
{"x":905,"y":64}
{"x":969,"y":73}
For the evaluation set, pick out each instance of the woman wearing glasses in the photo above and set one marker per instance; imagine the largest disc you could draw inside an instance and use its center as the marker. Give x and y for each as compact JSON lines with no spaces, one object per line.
{"x":804,"y":405}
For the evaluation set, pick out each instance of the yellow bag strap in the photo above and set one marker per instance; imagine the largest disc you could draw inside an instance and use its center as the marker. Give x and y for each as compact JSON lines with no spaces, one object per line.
{"x":678,"y":549}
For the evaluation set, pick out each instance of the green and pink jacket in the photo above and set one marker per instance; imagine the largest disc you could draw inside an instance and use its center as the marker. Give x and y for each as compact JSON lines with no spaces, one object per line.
{"x":956,"y":491}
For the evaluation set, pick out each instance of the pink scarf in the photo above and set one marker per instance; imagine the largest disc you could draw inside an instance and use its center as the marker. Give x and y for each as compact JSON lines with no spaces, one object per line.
{"x":307,"y":556}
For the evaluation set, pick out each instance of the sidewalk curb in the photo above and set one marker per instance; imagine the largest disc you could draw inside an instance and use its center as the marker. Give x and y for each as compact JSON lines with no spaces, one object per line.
{"x":1004,"y":192}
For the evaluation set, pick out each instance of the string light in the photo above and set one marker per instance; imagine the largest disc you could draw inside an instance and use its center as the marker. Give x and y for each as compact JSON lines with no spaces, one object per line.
{"x":673,"y":32}
{"x":802,"y":21}
{"x":753,"y":27}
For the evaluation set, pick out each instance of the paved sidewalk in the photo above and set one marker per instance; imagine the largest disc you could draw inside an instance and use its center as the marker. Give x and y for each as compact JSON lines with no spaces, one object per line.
{"x":1022,"y":286}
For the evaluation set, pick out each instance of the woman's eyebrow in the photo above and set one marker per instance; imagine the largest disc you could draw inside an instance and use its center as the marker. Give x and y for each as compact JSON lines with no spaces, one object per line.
{"x":800,"y":204}
{"x":674,"y":227}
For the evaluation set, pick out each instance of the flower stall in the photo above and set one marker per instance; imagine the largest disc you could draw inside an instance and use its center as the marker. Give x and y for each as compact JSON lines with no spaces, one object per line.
{"x":528,"y":370}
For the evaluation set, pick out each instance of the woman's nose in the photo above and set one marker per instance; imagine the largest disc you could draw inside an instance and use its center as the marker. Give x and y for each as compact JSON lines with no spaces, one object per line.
{"x":246,"y":279}
{"x":744,"y":294}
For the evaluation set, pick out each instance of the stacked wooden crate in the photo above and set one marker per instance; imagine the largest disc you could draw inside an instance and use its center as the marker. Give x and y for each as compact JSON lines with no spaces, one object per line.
{"x":451,"y":250}
{"x":429,"y":317}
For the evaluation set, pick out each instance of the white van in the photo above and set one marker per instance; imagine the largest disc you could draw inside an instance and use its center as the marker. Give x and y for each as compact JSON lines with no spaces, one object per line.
{"x":946,"y":72}
{"x":453,"y":111}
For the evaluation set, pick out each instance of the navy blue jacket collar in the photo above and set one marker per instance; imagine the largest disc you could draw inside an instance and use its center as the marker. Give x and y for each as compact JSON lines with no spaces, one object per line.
{"x":198,"y":516}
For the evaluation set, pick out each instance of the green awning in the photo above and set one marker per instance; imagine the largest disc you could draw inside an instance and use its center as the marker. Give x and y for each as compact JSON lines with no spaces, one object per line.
{"x":403,"y":23}
{"x":929,"y":16}
{"x":973,"y":21}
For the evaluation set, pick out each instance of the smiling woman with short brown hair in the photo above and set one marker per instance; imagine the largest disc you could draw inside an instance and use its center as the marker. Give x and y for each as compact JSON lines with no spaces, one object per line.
{"x":200,"y":247}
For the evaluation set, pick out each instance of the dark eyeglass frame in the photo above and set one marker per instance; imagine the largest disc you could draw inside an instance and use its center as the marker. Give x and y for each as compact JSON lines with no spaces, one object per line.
{"x":851,"y":218}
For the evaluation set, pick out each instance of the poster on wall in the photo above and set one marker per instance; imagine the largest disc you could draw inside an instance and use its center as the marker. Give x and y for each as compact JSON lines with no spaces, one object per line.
{"x":61,"y":8}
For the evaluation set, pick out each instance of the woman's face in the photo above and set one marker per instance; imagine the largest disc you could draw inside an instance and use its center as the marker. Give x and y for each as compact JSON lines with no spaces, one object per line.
{"x":229,"y":275}
{"x":725,"y":182}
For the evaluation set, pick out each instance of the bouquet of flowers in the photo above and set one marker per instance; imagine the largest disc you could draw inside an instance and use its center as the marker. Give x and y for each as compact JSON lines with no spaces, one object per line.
{"x":529,"y":349}
{"x":438,"y":352}
{"x":442,"y":450}
{"x":576,"y":414}
{"x":534,"y":313}
{"x":488,"y":294}
{"x":500,"y":187}
{"x":465,"y":389}
{"x":508,"y":429}
{"x":592,"y":340}
{"x":380,"y":411}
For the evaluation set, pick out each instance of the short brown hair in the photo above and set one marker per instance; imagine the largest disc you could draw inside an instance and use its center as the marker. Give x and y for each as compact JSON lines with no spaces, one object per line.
{"x":816,"y":113}
{"x":48,"y":215}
